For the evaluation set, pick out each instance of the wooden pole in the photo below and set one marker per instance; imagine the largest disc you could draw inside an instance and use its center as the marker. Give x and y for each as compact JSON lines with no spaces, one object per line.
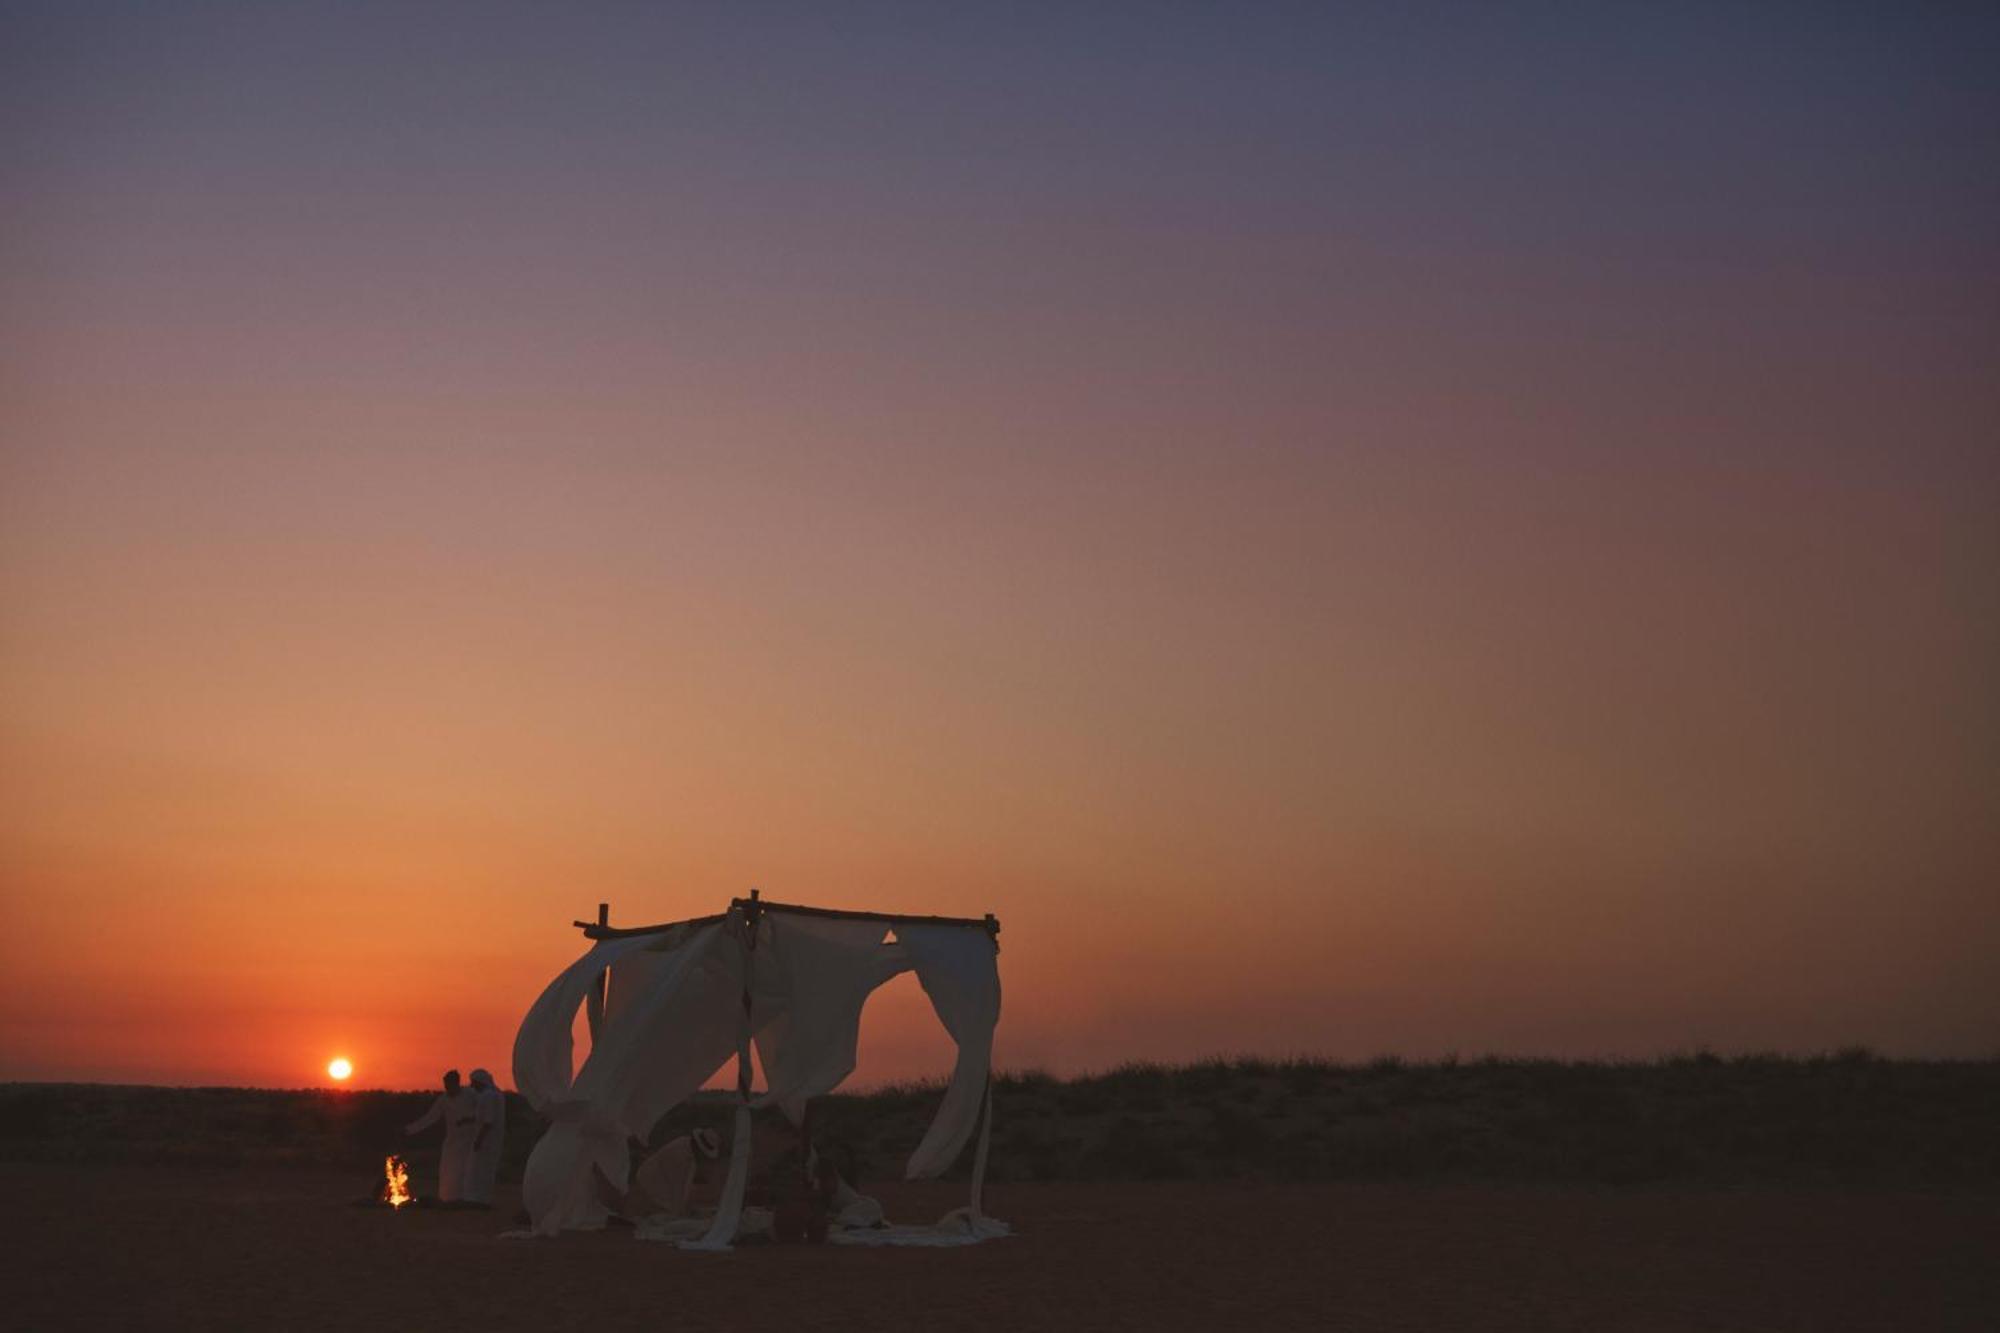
{"x":601,"y":988}
{"x":752,"y":910}
{"x":979,"y":1155}
{"x":604,"y":982}
{"x":729,"y":1212}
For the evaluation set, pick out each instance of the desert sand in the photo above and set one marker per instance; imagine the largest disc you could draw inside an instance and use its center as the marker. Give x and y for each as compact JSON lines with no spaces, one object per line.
{"x":182,"y":1247}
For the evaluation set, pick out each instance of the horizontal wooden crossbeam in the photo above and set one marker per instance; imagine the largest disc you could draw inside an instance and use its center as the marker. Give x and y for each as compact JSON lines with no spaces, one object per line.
{"x":602,"y":930}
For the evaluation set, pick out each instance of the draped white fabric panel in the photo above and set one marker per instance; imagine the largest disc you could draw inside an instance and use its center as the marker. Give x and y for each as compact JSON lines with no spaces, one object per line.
{"x":592,"y":1118}
{"x":811,"y":977}
{"x":675,"y":1029}
{"x":542,"y":1049}
{"x":960,"y":971}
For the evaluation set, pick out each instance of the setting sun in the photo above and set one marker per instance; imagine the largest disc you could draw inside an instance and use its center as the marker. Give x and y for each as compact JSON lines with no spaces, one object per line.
{"x":339,"y":1069}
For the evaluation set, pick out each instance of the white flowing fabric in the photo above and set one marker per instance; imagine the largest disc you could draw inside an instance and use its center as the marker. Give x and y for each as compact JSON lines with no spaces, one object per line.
{"x":556,"y":1186}
{"x":675,"y":1028}
{"x":592,"y":1117}
{"x":673,"y":1015}
{"x":811,"y":977}
{"x":960,"y":973}
{"x":667,"y":1177}
{"x":543,"y":1051}
{"x":852,"y":1208}
{"x":956,"y":1228}
{"x":721,"y":1233}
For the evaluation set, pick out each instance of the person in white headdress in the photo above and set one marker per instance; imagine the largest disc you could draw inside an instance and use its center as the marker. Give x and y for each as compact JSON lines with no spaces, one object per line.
{"x":489,"y":1137}
{"x":665,"y":1182}
{"x":460,"y":1113}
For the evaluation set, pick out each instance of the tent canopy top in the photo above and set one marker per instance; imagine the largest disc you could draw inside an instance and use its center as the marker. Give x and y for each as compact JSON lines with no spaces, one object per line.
{"x":668,"y":1004}
{"x":602,"y":929}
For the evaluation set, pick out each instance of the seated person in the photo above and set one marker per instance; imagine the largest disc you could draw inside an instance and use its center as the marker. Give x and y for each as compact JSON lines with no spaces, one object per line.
{"x":849,"y":1206}
{"x":806,"y":1203}
{"x":676,"y":1179}
{"x":852,"y":1208}
{"x":774,"y":1154}
{"x":803,"y":1203}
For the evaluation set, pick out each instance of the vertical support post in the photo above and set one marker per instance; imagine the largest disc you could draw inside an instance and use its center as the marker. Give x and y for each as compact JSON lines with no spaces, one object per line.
{"x":753,"y":914}
{"x":806,"y":1153}
{"x":729,"y":1210}
{"x":600,"y":988}
{"x":985,"y":1110}
{"x":979,"y":1156}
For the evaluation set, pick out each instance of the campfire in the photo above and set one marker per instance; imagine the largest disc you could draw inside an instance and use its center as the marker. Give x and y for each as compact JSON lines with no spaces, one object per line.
{"x":396,"y":1186}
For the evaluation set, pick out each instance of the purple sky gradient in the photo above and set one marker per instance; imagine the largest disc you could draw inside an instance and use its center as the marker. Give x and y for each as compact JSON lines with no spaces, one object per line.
{"x":1413,"y":529}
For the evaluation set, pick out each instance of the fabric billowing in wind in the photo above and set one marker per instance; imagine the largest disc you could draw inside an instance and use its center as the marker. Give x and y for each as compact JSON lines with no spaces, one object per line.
{"x":812,"y":977}
{"x":674,"y":1015}
{"x":582,"y":1160}
{"x":958,"y":972}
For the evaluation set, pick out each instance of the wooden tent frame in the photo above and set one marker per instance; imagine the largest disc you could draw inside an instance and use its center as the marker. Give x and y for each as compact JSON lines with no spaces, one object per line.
{"x":752,"y":910}
{"x":756,"y":905}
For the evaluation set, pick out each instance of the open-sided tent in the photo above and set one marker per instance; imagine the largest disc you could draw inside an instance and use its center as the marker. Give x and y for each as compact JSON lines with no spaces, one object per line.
{"x":668,"y":1005}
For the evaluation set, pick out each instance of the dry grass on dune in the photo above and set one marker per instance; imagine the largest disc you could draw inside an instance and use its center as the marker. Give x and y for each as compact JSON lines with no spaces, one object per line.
{"x":1850,"y":1117}
{"x":1847,"y":1118}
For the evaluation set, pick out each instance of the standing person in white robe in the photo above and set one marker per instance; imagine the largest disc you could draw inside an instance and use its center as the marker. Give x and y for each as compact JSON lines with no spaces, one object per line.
{"x":489,"y":1138}
{"x":460,"y":1114}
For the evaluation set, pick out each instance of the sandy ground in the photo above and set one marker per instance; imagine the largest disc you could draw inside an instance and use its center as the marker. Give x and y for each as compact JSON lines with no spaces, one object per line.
{"x":102,"y":1247}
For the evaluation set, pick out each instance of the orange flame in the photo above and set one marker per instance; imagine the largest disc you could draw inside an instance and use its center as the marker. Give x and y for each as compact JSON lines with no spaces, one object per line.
{"x":397,"y":1191}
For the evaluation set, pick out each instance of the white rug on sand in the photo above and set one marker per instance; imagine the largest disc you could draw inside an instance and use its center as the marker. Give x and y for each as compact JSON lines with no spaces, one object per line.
{"x":959,"y":1227}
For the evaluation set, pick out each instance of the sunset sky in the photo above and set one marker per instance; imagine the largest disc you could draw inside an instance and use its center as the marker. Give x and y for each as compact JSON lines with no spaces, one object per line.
{"x":1351,"y":529}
